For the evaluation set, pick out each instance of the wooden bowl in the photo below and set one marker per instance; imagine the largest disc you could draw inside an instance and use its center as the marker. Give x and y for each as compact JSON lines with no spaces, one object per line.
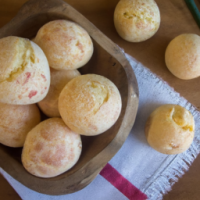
{"x":108,"y":60}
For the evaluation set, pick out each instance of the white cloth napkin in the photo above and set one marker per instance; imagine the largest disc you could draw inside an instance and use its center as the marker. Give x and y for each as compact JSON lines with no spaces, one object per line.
{"x":151,"y":172}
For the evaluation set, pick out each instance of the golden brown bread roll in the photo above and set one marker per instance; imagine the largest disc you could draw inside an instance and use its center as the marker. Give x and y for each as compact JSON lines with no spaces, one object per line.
{"x":49,"y":105}
{"x":15,"y":123}
{"x":89,"y":104}
{"x":25,"y":74}
{"x":136,"y":21}
{"x":51,"y":148}
{"x":182,"y":56}
{"x":66,"y":44}
{"x":170,"y":129}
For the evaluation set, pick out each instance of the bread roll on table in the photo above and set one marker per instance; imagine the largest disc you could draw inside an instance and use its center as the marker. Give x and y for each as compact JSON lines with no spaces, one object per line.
{"x":170,"y":129}
{"x":182,"y":56}
{"x":136,"y":20}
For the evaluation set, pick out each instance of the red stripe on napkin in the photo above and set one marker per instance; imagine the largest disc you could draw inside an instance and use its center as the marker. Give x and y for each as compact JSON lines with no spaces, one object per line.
{"x":122,"y":184}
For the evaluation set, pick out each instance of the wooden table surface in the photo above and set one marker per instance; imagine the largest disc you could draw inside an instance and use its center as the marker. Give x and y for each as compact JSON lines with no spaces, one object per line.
{"x":175,"y":19}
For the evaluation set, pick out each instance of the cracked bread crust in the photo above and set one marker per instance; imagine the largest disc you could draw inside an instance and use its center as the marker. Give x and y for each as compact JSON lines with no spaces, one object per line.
{"x":90,"y":104}
{"x":136,"y":20}
{"x":25,"y":74}
{"x":170,"y":129}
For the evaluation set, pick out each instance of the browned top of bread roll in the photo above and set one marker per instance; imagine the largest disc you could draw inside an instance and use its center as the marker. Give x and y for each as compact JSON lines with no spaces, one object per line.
{"x":90,"y":104}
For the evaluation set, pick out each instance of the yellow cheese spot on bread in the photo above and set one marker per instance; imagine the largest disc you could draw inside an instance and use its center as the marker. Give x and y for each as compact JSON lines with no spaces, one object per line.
{"x":181,"y":119}
{"x":24,"y":55}
{"x":100,"y":94}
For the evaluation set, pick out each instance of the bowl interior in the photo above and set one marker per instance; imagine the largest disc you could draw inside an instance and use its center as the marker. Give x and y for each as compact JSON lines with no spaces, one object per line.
{"x":101,"y":63}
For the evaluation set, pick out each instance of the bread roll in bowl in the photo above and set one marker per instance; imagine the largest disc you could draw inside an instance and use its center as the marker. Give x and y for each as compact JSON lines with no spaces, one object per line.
{"x":170,"y":129}
{"x":182,"y":56}
{"x":59,"y":78}
{"x":66,"y":44}
{"x":136,"y":20}
{"x":25,"y":74}
{"x":89,"y":104}
{"x":51,"y":148}
{"x":15,"y":123}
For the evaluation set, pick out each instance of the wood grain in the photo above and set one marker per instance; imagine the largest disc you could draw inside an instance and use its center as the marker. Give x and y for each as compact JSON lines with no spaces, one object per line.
{"x":175,"y":19}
